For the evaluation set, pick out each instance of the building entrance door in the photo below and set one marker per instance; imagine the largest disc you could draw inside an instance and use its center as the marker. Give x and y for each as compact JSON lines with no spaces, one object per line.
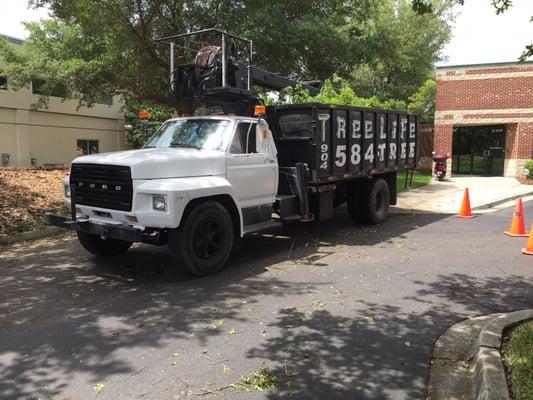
{"x":478,"y":150}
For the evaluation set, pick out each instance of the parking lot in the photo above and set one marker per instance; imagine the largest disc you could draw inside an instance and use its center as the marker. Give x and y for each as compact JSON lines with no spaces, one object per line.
{"x":309,"y":312}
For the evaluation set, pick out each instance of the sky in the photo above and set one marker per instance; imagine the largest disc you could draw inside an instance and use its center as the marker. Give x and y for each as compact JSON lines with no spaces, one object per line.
{"x":479,"y":35}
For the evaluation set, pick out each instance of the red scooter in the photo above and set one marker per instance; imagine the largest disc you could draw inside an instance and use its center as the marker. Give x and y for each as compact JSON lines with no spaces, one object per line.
{"x":440,"y":165}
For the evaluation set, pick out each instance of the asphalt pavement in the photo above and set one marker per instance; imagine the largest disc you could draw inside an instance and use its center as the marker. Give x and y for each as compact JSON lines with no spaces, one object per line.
{"x":320,"y":311}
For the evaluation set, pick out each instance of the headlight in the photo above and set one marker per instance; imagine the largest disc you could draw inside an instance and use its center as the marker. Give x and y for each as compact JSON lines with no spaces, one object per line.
{"x":66,"y":189}
{"x":159,"y":203}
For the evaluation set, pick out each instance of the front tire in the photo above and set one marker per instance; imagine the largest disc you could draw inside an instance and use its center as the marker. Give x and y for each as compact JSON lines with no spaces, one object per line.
{"x":102,"y":247}
{"x":204,"y":241}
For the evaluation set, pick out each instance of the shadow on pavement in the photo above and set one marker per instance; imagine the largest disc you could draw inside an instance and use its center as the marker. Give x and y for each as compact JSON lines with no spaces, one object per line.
{"x":64,"y":313}
{"x":322,"y":355}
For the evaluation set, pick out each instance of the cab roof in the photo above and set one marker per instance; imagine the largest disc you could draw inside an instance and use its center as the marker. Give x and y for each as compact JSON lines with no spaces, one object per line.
{"x":217,"y":117}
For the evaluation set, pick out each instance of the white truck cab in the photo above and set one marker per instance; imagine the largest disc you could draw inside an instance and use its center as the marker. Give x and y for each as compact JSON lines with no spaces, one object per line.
{"x":226,"y":165}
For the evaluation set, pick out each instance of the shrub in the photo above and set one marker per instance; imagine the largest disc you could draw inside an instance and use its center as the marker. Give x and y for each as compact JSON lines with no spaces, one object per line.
{"x":529,"y":166}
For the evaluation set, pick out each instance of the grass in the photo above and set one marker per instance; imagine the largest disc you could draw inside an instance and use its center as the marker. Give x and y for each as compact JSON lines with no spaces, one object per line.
{"x":419,"y":180}
{"x":518,"y":358}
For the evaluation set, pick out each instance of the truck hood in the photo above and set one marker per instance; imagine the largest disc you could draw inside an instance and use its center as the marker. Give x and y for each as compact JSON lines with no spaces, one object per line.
{"x":160,"y":163}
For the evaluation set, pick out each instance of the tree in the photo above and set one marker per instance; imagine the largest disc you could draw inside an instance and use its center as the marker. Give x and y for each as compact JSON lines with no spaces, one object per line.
{"x":423,"y":101}
{"x":138,"y":130}
{"x":402,"y":47}
{"x":95,"y":48}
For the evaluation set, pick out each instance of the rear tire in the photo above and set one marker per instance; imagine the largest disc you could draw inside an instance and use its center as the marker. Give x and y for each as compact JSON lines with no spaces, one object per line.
{"x":102,"y":247}
{"x":204,"y":241}
{"x":376,"y":199}
{"x":371,"y":205}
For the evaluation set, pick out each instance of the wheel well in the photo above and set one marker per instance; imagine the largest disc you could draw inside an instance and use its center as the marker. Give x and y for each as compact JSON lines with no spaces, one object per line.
{"x":226,"y":201}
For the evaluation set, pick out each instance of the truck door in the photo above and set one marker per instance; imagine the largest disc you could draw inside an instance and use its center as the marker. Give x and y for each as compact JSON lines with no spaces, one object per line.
{"x":252,"y":165}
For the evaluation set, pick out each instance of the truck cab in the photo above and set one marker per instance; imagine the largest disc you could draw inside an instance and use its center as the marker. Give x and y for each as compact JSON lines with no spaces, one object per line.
{"x":227,"y":162}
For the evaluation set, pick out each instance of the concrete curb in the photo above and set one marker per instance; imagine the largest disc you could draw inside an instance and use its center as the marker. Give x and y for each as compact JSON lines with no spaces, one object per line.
{"x":32,"y":235}
{"x":502,"y":200}
{"x":467,"y":362}
{"x":490,"y":381}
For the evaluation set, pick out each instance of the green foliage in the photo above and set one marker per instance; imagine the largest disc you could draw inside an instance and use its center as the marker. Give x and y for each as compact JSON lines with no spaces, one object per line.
{"x":518,"y":357}
{"x":139,"y":131}
{"x":422,"y":6}
{"x":257,"y":380}
{"x":423,"y":101}
{"x":399,"y":48}
{"x":94,"y":49}
{"x":338,"y":91}
{"x":529,"y":166}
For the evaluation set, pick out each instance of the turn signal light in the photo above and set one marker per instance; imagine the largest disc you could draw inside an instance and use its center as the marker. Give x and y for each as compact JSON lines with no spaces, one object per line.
{"x":132,"y":218}
{"x":260,"y":110}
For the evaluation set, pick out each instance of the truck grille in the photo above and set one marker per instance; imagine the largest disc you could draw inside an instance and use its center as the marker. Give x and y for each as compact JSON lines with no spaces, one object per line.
{"x":104,"y":186}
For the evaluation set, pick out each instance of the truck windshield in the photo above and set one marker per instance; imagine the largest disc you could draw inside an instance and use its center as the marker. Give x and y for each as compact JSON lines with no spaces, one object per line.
{"x":209,"y":134}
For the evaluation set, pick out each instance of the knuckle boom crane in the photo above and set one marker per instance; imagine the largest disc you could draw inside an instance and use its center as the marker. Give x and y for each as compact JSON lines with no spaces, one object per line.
{"x":212,"y":67}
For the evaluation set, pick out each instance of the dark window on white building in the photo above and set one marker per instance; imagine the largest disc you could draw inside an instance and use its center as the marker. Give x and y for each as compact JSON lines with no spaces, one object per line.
{"x":38,"y":86}
{"x":86,"y":146}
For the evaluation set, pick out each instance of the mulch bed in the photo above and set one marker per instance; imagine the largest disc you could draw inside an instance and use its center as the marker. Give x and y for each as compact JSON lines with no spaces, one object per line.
{"x":26,"y":194}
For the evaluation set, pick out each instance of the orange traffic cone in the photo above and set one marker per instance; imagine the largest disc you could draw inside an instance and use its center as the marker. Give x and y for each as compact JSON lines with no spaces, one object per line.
{"x":518,"y":227}
{"x":529,"y":249}
{"x":466,"y":211}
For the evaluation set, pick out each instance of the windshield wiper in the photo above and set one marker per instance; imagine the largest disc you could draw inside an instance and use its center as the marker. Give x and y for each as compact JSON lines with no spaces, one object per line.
{"x":192,"y":146}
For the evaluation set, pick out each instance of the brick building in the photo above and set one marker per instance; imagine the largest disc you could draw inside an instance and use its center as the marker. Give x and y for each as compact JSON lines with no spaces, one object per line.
{"x":484,"y":117}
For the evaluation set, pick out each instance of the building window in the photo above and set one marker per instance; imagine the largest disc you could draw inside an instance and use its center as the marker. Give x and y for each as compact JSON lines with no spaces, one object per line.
{"x":106,"y":100}
{"x":86,"y":146}
{"x":39,"y":86}
{"x":3,"y":83}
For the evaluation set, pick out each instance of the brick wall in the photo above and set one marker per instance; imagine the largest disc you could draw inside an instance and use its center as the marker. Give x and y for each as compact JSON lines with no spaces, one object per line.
{"x":485,"y":95}
{"x":524,"y":147}
{"x":442,"y":142}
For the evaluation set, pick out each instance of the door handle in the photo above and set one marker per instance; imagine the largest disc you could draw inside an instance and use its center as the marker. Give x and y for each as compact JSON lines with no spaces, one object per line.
{"x":269,"y":160}
{"x":486,"y":153}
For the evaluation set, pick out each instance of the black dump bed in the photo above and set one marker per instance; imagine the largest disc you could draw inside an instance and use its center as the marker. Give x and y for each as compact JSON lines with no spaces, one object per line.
{"x":341,"y":142}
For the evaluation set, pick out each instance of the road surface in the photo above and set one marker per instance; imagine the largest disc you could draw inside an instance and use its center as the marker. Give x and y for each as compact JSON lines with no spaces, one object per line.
{"x":322,"y":311}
